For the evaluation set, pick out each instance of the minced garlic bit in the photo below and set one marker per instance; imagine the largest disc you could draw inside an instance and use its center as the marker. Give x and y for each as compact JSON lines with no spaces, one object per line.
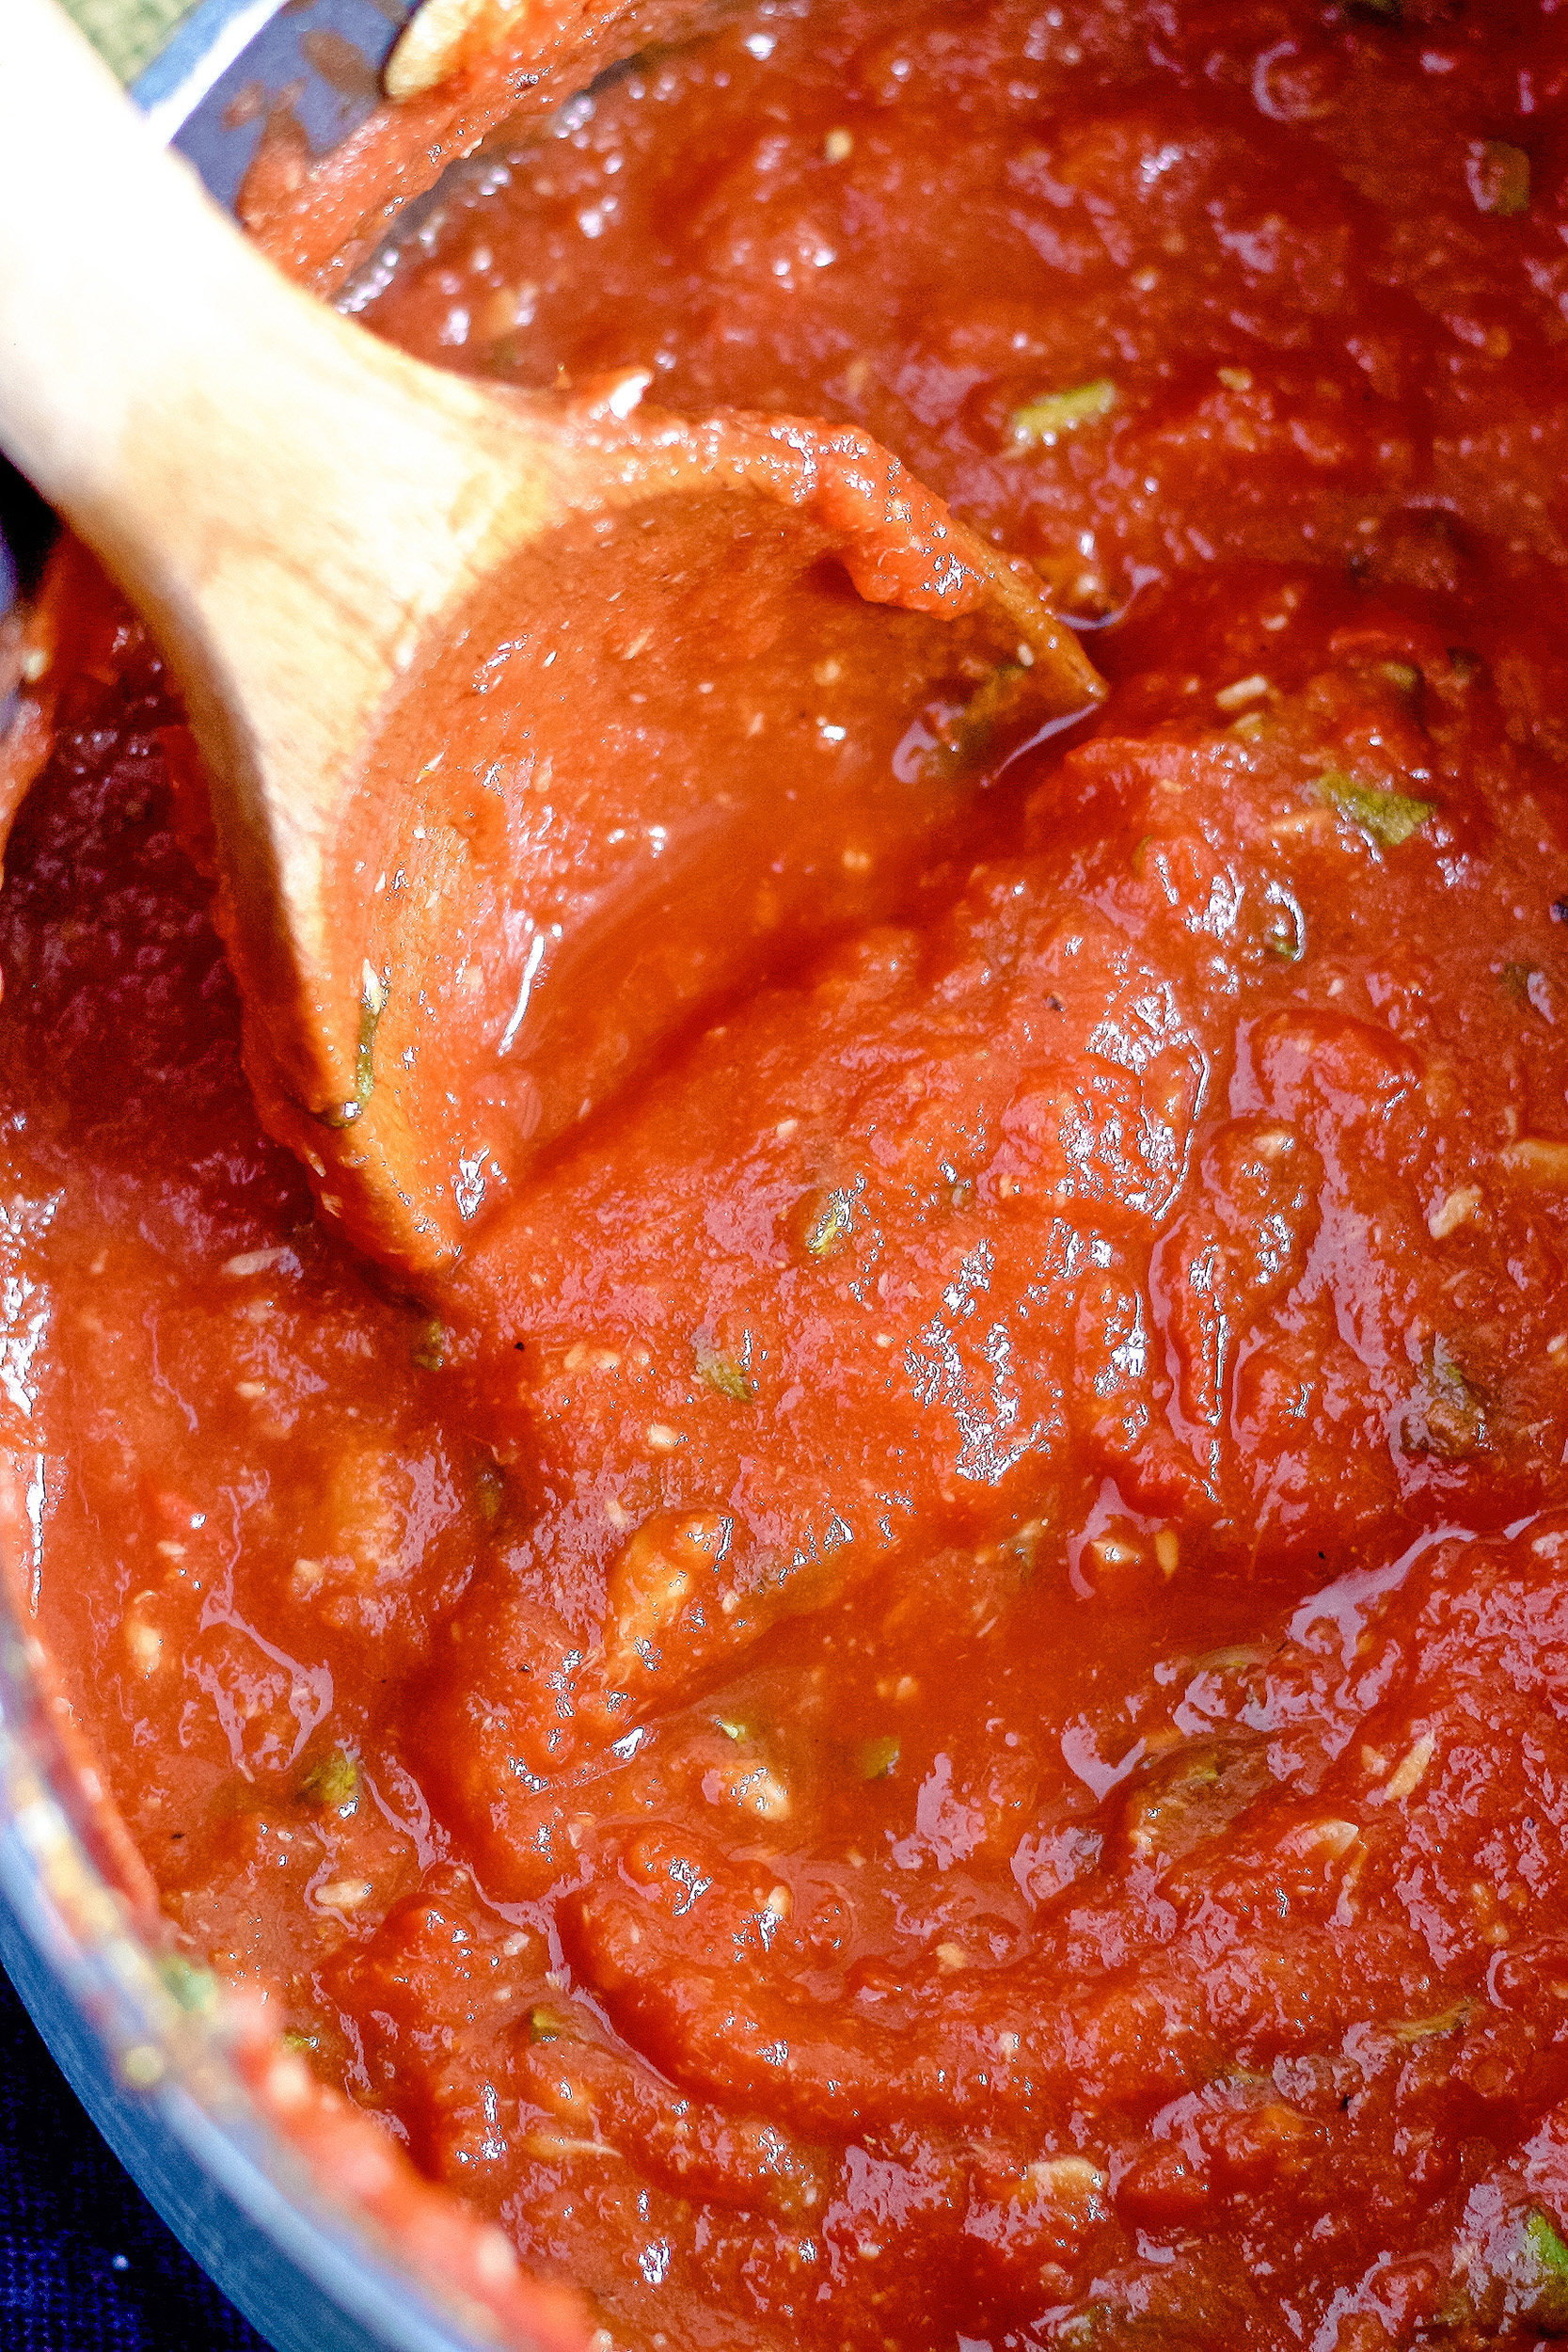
{"x":1247,"y":690}
{"x":1040,"y":423}
{"x":145,"y":1643}
{"x":1336,"y":1837}
{"x":1167,"y":1550}
{"x":1070,"y":2178}
{"x":1408,"y":1772}
{"x":261,"y":1261}
{"x":1540,"y":1158}
{"x":345,"y":1894}
{"x":1453,"y":1210}
{"x":838,"y":146}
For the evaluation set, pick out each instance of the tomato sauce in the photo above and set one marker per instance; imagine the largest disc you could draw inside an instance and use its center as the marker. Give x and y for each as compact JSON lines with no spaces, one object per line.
{"x":926,"y":1704}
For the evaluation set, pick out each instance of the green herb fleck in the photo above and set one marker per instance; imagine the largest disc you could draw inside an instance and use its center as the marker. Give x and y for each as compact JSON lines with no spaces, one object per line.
{"x":1463,"y":665}
{"x":548,"y":2024}
{"x":1402,"y":675}
{"x":733,"y":1726}
{"x":372,"y":1004}
{"x":334,"y":1782}
{"x":1499,"y":175}
{"x":1040,"y":423}
{"x":829,"y":1224}
{"x":721,"y":1372}
{"x":430,"y":1347}
{"x":1390,"y":818}
{"x":192,"y":1988}
{"x":302,"y":2042}
{"x":875,"y":1759}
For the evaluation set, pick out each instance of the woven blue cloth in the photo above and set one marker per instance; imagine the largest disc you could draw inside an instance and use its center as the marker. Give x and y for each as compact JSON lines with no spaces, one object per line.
{"x":86,"y":2264}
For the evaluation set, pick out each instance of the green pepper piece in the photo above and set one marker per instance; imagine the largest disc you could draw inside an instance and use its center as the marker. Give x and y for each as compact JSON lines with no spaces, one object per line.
{"x":1389,"y":817}
{"x":1545,"y":2284}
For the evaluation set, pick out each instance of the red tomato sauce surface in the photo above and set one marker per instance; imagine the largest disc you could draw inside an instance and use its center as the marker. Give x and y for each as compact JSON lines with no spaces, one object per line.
{"x":927,"y":1708}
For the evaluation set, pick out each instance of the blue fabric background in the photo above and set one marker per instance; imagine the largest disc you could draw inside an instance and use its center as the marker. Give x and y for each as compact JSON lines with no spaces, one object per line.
{"x":86,"y":2264}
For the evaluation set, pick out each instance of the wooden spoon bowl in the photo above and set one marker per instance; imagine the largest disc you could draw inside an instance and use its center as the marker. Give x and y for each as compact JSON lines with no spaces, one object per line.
{"x":507,"y":703}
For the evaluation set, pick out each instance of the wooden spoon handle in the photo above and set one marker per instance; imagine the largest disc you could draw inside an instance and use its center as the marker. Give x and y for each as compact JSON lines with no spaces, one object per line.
{"x":273,"y":485}
{"x":109,"y":250}
{"x":135,"y":327}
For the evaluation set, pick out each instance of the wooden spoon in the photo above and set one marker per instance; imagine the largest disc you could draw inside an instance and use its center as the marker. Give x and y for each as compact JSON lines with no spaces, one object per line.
{"x":459,"y":916}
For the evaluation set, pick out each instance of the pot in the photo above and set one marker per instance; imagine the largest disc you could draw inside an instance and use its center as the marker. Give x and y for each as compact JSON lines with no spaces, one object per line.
{"x":146,"y":2042}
